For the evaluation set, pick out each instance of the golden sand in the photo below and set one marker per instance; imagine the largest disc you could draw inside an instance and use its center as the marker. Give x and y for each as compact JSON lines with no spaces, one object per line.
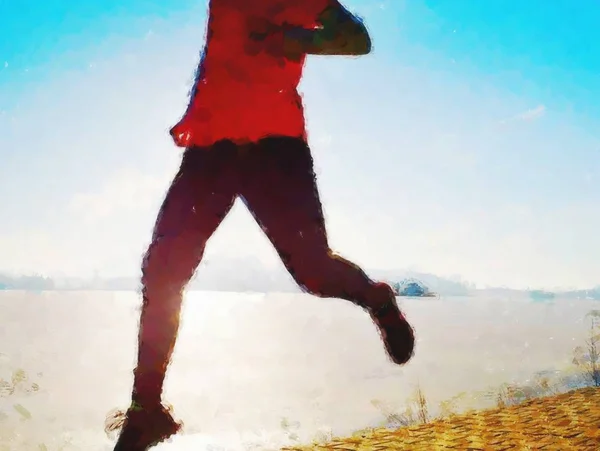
{"x":566,"y":422}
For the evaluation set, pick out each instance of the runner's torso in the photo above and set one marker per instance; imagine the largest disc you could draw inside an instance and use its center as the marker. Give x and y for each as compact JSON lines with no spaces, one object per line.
{"x":243,"y":93}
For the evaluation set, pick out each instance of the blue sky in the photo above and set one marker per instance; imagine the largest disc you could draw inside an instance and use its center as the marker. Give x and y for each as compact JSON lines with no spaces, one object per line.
{"x":467,"y":144}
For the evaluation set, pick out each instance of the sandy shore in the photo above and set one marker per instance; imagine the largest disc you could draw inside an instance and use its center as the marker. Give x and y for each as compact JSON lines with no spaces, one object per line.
{"x":570,"y":421}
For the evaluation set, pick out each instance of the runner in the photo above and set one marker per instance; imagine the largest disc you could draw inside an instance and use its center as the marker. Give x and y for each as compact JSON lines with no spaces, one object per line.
{"x":244,"y":136}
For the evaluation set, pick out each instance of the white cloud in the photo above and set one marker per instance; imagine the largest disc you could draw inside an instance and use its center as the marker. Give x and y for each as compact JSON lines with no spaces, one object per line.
{"x":107,"y":229}
{"x":31,"y":251}
{"x":532,"y":114}
{"x":502,"y":245}
{"x":527,"y":116}
{"x":127,"y":190}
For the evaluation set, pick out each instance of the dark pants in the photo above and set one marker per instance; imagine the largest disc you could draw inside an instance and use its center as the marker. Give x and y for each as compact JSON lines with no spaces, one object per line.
{"x":276,"y":181}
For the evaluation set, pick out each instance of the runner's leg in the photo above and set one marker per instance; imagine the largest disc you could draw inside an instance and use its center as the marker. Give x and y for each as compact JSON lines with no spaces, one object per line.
{"x":199,"y":198}
{"x":282,"y":195}
{"x":285,"y":202}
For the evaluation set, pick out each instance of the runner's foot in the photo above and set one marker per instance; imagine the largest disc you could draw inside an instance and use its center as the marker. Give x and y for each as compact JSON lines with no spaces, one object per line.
{"x":143,"y":428}
{"x":397,"y":334}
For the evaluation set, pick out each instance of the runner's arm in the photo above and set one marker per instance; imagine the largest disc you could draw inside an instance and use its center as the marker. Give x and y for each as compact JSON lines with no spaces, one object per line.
{"x":340,"y":33}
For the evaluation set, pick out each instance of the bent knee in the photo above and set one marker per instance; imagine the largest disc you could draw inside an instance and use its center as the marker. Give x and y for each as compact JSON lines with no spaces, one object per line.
{"x":314,"y":272}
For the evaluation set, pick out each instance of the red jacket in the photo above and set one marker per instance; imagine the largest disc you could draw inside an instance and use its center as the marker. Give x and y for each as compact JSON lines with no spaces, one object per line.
{"x":241,"y":92}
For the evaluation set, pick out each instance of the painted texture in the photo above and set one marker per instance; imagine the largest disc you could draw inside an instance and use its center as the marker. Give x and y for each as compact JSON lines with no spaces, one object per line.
{"x":566,"y":422}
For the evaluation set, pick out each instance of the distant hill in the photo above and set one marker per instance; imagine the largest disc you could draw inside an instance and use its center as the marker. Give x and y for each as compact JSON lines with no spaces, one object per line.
{"x":249,"y":274}
{"x":223,"y":275}
{"x":592,"y":293}
{"x":26,"y":283}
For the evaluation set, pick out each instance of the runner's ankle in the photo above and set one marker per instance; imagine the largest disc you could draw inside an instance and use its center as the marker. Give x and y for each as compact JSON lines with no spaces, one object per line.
{"x":145,"y":402}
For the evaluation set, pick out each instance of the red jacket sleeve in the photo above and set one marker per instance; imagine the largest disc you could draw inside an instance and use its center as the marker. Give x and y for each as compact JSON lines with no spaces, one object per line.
{"x":305,"y":13}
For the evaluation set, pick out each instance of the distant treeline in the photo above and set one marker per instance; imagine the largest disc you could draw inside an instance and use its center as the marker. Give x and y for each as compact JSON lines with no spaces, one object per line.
{"x":26,"y":283}
{"x":222,"y":278}
{"x":593,"y":293}
{"x":216,"y":279}
{"x":42,"y":283}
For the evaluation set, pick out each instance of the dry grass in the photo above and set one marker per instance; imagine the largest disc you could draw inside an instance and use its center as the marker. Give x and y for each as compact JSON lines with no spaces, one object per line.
{"x":565,"y":422}
{"x":588,"y":358}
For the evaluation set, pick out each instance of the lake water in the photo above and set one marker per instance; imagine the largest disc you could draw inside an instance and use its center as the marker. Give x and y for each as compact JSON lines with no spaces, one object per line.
{"x":246,"y":364}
